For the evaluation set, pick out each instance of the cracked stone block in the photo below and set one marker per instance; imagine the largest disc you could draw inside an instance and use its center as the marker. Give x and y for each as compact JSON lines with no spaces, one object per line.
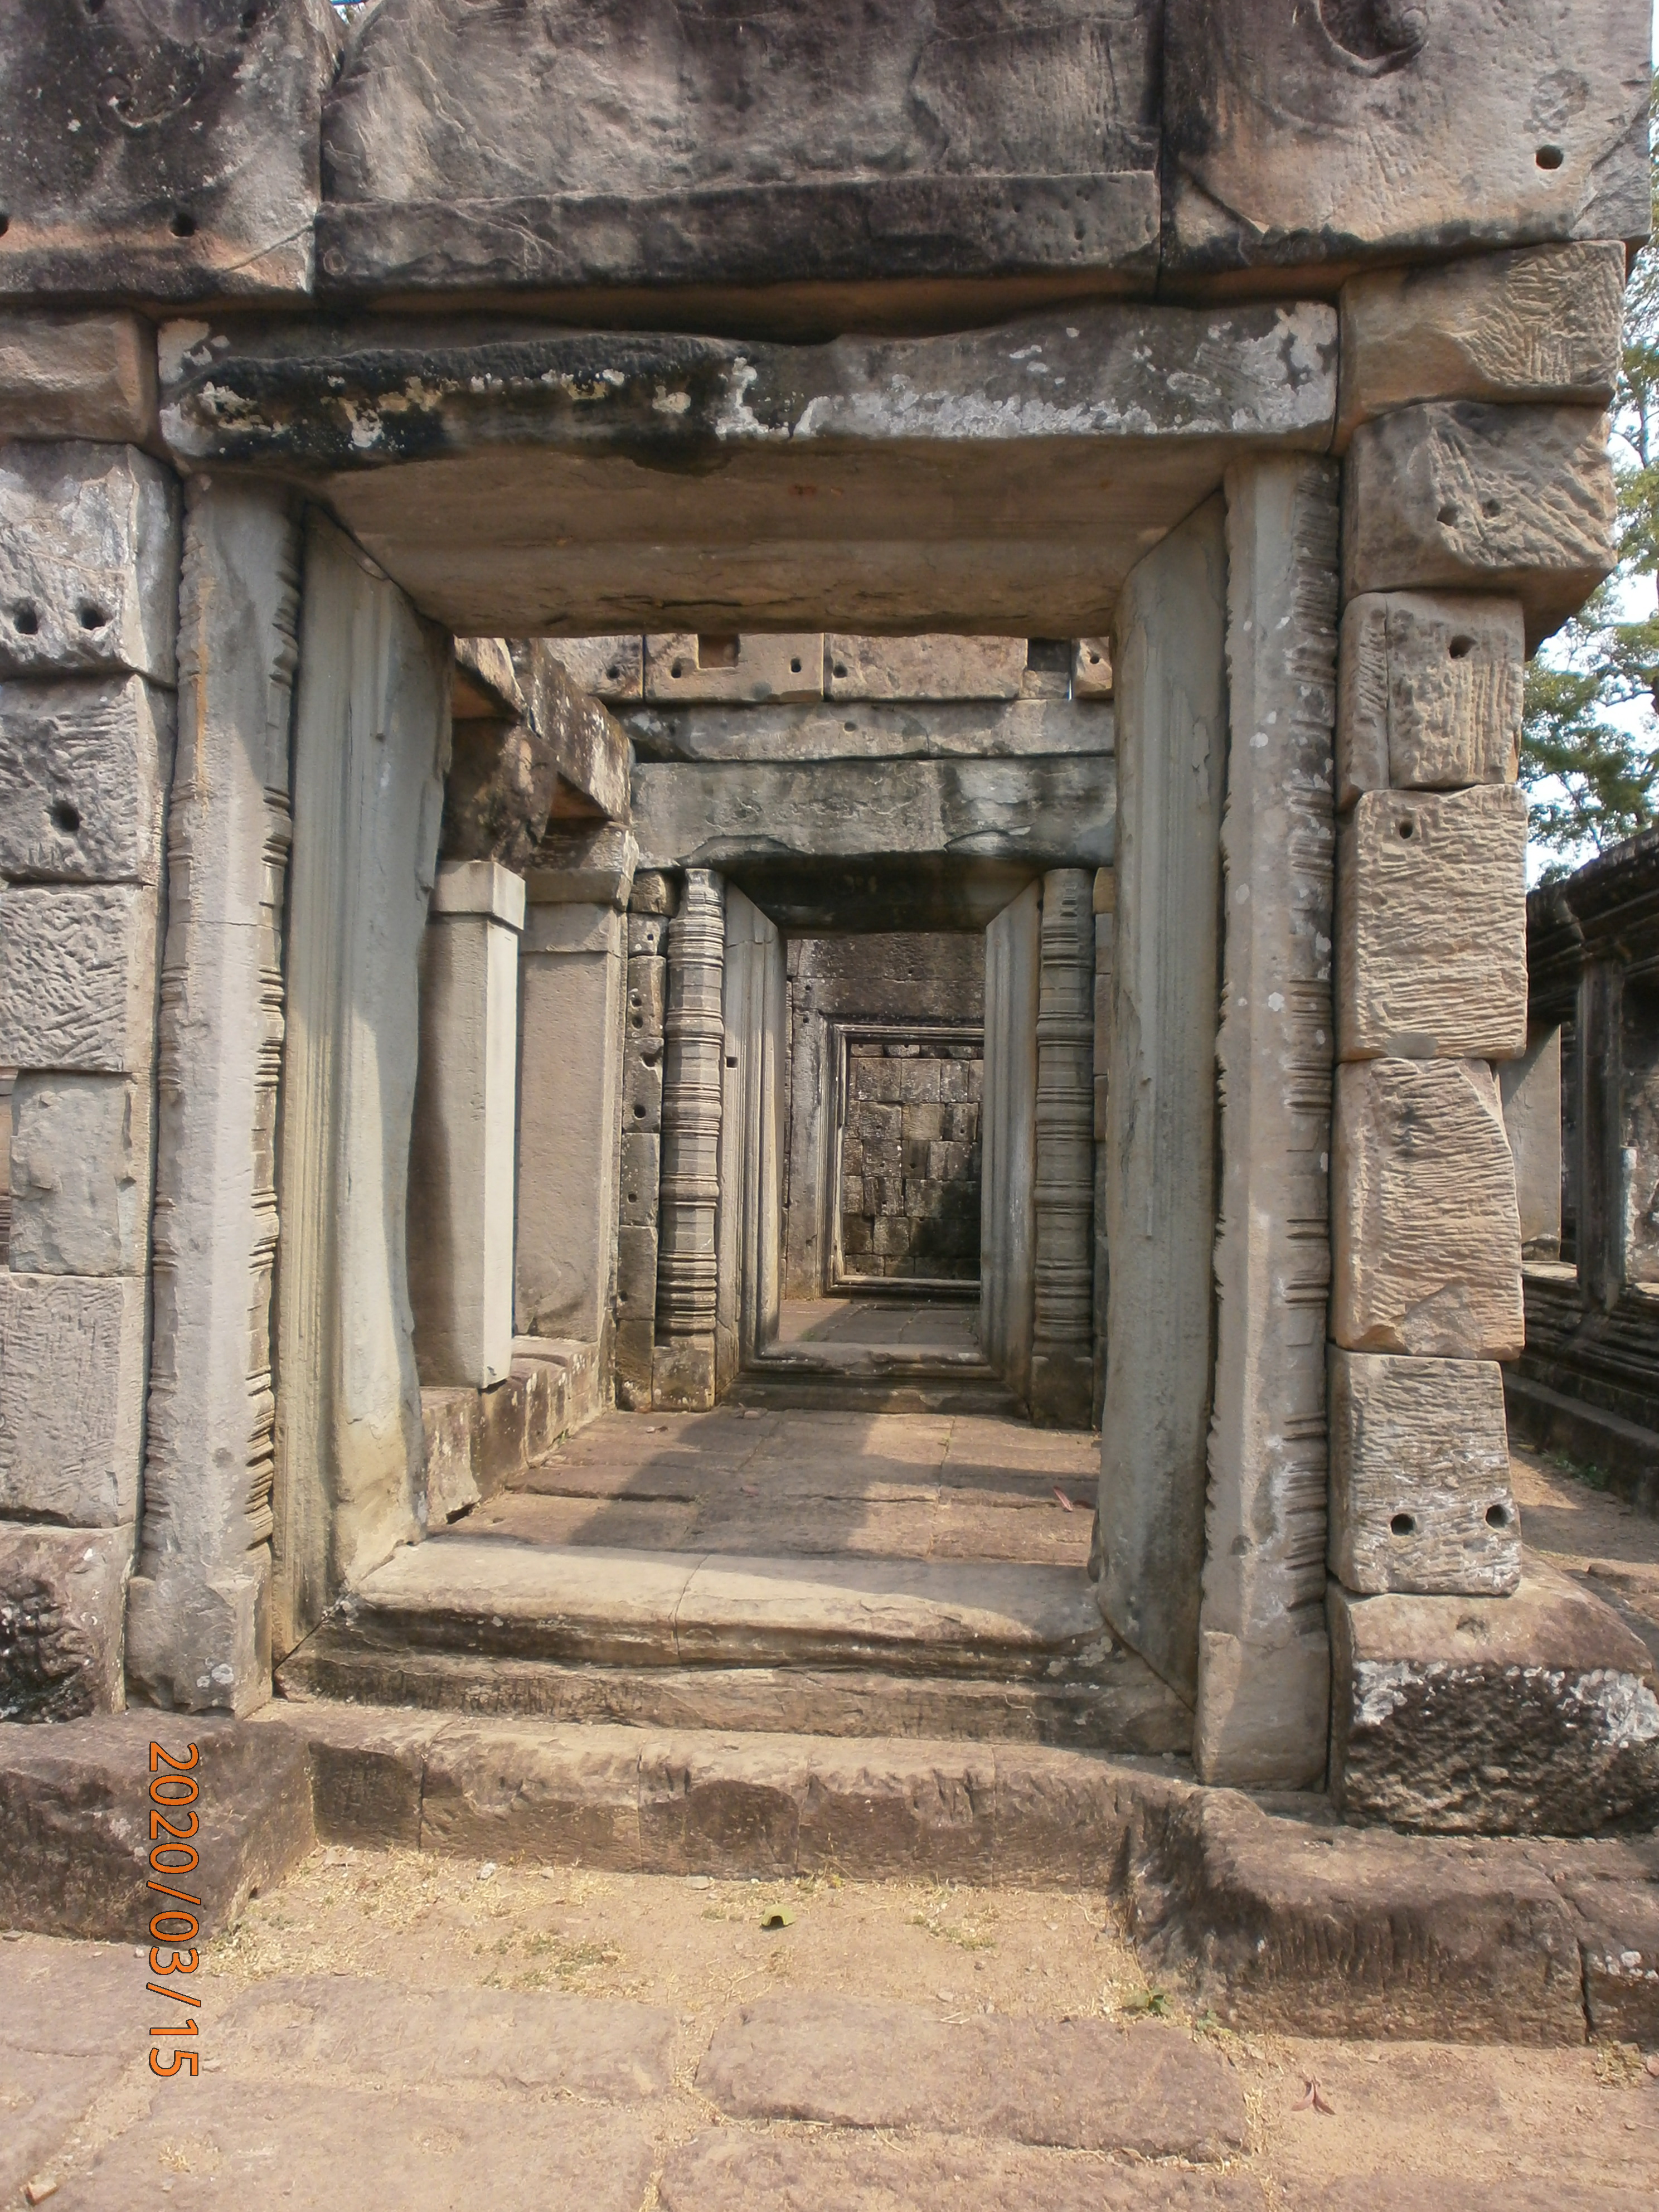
{"x":1430,"y":692}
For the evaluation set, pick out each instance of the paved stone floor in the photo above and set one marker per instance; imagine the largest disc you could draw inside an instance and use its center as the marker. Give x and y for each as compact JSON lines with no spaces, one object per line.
{"x":831,"y":1325}
{"x":904,"y":1485}
{"x":413,"y":2033}
{"x":1589,"y":1532}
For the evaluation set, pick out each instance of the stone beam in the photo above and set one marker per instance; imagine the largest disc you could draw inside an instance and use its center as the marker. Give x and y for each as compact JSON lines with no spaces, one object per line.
{"x":1035,"y":811}
{"x":862,"y":729}
{"x":514,"y":476}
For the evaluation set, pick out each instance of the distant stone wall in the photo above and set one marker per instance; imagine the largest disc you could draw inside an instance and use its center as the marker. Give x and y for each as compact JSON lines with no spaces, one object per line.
{"x":910,"y":1160}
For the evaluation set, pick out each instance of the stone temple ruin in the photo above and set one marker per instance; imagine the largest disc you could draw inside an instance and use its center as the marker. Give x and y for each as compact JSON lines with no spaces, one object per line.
{"x":661,"y":662}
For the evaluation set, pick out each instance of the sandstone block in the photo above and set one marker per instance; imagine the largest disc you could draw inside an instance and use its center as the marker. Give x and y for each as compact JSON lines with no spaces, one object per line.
{"x":1426,"y":1238}
{"x":608,"y":667}
{"x":642,"y":1173}
{"x":643,"y":1093}
{"x":1421,"y":1492}
{"x":1464,"y":496}
{"x":71,"y":1397}
{"x":84,"y":769}
{"x":1431,"y":925}
{"x":588,"y":746}
{"x":1299,"y":135}
{"x":1532,"y":1714}
{"x":80,"y":1175}
{"x":647,"y":996}
{"x":683,"y":1375}
{"x":683,"y":666}
{"x":485,"y":686}
{"x":653,"y":894}
{"x":60,"y":1621}
{"x":1091,"y":668}
{"x":68,"y":375}
{"x":193,"y":174}
{"x":632,"y":1349}
{"x":77,"y":978}
{"x":448,"y":1420}
{"x":1430,"y":693}
{"x":1536,"y":324}
{"x":636,"y":1269}
{"x":647,"y":933}
{"x":88,"y":562}
{"x":925,"y":667}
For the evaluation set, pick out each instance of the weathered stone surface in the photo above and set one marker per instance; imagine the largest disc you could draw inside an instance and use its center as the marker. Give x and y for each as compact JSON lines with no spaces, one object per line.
{"x":1285,"y":1922}
{"x":1530,"y":1089}
{"x":1059,"y":811}
{"x":729,"y":2169}
{"x":572,"y":979}
{"x":449,"y":1421}
{"x":61,"y":1594}
{"x":733,"y":668}
{"x":561,"y":151}
{"x":532,"y":510}
{"x":71,"y":2017}
{"x":84,"y":770}
{"x":1081,"y":2085}
{"x":68,"y":375}
{"x":753,"y":1136}
{"x":923,"y":667}
{"x":71,"y":1397}
{"x":583,"y":864}
{"x":1619,"y":1936}
{"x":1300,"y":135}
{"x":588,"y":746}
{"x":1534,"y":1714}
{"x":1431,"y":925}
{"x":89,"y":560}
{"x":1263,"y":1666}
{"x":461,"y":1158}
{"x":1425,"y":1240}
{"x":198,"y":1616}
{"x":273,"y":2145}
{"x":1421,"y":1492}
{"x":498,"y":793}
{"x":74,"y":1829}
{"x":77,"y":978}
{"x":189,"y":170}
{"x":863,"y":729}
{"x":80,"y":1175}
{"x":1160,"y":1191}
{"x":1091,"y":668}
{"x":342,"y":2025}
{"x":370,"y":742}
{"x":485,"y":686}
{"x":1431,"y":692}
{"x":1541,"y":324}
{"x":1464,"y":496}
{"x":610,"y":668}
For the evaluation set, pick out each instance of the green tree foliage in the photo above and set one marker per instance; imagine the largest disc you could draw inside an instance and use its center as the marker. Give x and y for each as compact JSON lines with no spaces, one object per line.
{"x":1590,"y":748}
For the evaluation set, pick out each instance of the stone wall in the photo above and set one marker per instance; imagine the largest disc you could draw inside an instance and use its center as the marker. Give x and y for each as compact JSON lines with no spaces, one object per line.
{"x":909,"y":1185}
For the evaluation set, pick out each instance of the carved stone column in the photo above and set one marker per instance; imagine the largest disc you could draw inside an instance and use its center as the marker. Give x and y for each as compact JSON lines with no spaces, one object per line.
{"x":683,"y":1367}
{"x":1062,"y":1348}
{"x":198,"y":1635}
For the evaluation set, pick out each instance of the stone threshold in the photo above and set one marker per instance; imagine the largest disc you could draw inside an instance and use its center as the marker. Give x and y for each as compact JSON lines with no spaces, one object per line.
{"x":1274,"y":1915}
{"x":927,"y":1386}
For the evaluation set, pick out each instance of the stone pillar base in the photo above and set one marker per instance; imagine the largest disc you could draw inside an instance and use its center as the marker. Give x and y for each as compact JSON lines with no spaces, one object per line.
{"x":1527,"y":1714}
{"x":1063,"y":1389}
{"x":683,"y":1375}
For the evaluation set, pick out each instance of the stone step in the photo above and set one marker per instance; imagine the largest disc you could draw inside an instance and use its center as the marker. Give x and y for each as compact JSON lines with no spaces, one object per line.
{"x":887,"y":1384}
{"x":839,"y":1645}
{"x":499,"y":1597}
{"x":1124,"y":1709}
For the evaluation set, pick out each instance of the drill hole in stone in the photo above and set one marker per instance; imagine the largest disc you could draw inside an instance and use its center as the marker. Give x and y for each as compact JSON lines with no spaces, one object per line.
{"x":1402,"y":1524}
{"x":1447,"y":517}
{"x":1489,"y":507}
{"x":92,"y":616}
{"x":677,"y":669}
{"x":1406,"y":826}
{"x":1548,"y":157}
{"x":65,"y":816}
{"x":718,"y":650}
{"x":795,"y":668}
{"x":1498,"y":1516}
{"x":5,"y":224}
{"x":26,"y":619}
{"x":1461,"y":648}
{"x":841,"y":670}
{"x":183,"y":224}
